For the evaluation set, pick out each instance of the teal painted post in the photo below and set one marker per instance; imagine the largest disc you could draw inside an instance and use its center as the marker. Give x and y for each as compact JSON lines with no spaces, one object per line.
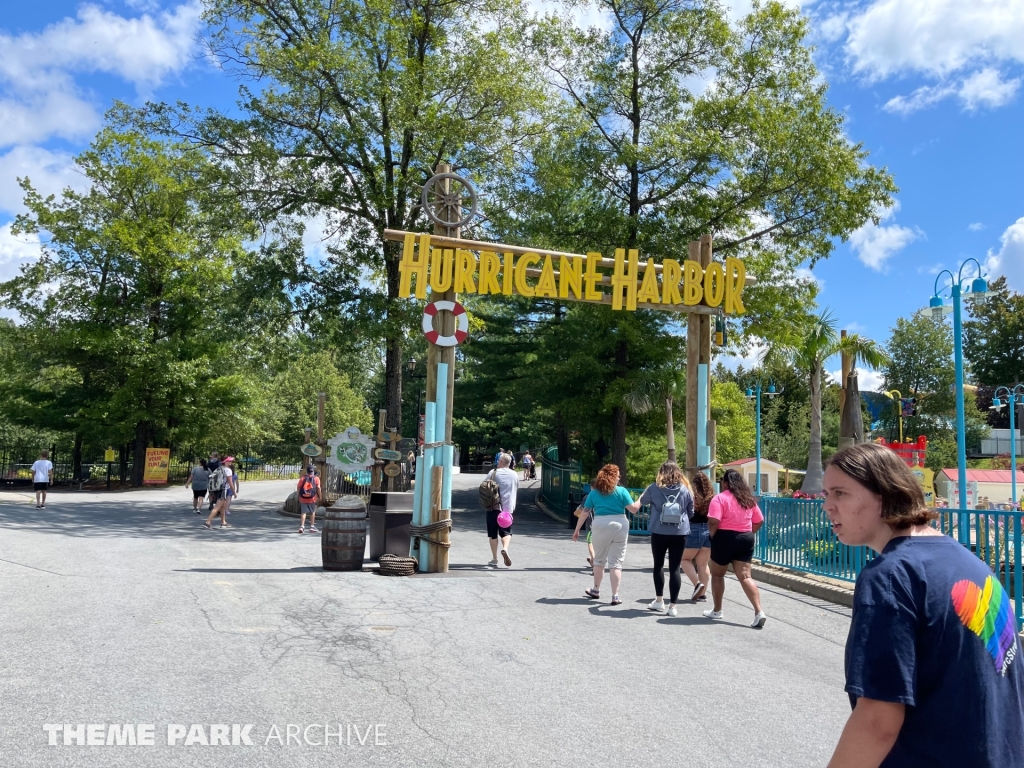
{"x":1013,"y":447}
{"x":703,"y":450}
{"x":757,"y":431}
{"x":417,"y":504}
{"x":964,"y":530}
{"x":428,"y":465}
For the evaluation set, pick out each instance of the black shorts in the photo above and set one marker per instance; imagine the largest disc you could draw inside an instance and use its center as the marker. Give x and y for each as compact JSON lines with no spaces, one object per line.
{"x":214,"y":496}
{"x":727,"y":546}
{"x":40,"y":486}
{"x":198,"y":493}
{"x":493,"y":529}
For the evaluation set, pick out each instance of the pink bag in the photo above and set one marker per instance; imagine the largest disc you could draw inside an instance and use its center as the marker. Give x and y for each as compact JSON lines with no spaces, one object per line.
{"x":505,"y":519}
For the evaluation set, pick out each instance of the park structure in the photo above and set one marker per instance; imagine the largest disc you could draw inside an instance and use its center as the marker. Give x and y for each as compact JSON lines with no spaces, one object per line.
{"x":694,"y":284}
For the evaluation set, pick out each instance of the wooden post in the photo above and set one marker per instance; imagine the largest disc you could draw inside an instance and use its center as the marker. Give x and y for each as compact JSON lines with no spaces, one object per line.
{"x":321,"y":407}
{"x":847,"y":366}
{"x":713,"y":441}
{"x":692,"y":357}
{"x":445,"y":325}
{"x":437,"y":478}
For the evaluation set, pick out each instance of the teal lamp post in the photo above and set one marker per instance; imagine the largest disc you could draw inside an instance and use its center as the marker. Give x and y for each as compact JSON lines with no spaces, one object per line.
{"x":1013,"y":396}
{"x":754,"y":393}
{"x":976,"y":290}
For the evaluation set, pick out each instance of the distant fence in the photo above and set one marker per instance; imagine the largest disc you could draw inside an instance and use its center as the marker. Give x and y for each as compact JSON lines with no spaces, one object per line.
{"x":797,"y":534}
{"x":560,"y":484}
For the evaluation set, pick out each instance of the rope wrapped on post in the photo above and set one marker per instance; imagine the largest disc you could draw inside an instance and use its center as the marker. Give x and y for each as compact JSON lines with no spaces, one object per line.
{"x":423,"y":531}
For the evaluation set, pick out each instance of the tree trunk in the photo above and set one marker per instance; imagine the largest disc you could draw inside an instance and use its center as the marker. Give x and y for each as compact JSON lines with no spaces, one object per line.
{"x":393,"y":341}
{"x":670,"y":431}
{"x":122,"y":460}
{"x":561,"y":438}
{"x":143,"y":432}
{"x":813,"y":480}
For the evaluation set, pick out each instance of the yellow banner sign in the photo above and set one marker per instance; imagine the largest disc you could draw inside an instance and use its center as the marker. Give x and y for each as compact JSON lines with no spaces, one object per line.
{"x":158,"y":460}
{"x":673,"y":285}
{"x":110,"y":455}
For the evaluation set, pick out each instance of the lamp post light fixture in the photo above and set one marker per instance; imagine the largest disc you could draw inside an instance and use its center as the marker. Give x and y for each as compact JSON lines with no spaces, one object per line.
{"x":1013,"y":397}
{"x":754,"y":393}
{"x":976,"y":290}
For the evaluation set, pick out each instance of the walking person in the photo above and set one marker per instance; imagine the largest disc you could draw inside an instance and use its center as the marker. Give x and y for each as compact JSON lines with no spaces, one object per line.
{"x":199,"y":481}
{"x":933,"y":661}
{"x":42,"y":477}
{"x":671,"y":509}
{"x":212,"y":465}
{"x":216,"y":489}
{"x":230,"y":483}
{"x":610,"y":529}
{"x":733,"y":519}
{"x":499,"y":521}
{"x":527,"y":461}
{"x":309,"y":497}
{"x":698,"y":543}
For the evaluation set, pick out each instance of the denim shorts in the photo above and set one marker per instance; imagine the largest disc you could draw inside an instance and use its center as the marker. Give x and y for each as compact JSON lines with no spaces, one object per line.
{"x":698,"y":538}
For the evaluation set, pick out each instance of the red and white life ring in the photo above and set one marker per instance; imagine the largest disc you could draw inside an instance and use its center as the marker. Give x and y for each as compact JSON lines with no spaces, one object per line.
{"x":461,"y":323}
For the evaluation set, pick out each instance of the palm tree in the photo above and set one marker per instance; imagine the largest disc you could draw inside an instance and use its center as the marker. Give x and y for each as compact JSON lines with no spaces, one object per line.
{"x":806,"y":347}
{"x":664,"y":384}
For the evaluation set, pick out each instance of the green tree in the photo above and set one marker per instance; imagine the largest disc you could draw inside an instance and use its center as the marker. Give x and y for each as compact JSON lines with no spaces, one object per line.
{"x":994,"y":337}
{"x":734,"y":422}
{"x":121,"y":314}
{"x":295,"y":394}
{"x":807,"y":346}
{"x":358,"y":102}
{"x":663,"y":386}
{"x":920,"y":352}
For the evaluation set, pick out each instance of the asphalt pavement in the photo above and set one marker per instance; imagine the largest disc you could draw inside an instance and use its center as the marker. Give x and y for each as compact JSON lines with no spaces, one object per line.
{"x":120,"y":609}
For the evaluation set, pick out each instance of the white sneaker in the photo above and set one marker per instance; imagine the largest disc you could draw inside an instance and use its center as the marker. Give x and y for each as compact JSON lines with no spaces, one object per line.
{"x":713,"y":614}
{"x":493,"y":563}
{"x":658,"y":606}
{"x":759,"y":620}
{"x":672,"y":611}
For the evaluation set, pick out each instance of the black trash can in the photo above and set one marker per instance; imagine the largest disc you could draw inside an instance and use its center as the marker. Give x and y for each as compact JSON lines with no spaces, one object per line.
{"x":390,"y":518}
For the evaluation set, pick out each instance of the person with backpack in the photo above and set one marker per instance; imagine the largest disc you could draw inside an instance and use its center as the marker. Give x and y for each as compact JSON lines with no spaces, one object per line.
{"x":733,"y":520}
{"x":671,"y":504}
{"x":309,"y":497}
{"x":527,"y":461}
{"x":498,"y":495}
{"x":219,"y":478}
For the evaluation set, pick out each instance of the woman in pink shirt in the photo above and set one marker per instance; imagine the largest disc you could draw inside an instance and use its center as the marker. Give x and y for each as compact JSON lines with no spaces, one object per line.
{"x":733,"y":519}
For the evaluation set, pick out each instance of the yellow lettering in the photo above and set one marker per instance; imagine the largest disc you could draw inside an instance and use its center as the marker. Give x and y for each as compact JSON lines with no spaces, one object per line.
{"x":735,"y":280}
{"x":714,"y":284}
{"x":441,"y":262}
{"x":592,"y":278}
{"x":624,"y":279}
{"x":546,"y":284}
{"x":490,"y":266}
{"x":414,"y":263}
{"x":693,"y":276}
{"x":506,"y":275}
{"x":570,"y":277}
{"x":525,"y":262}
{"x":465,"y":267}
{"x":649,"y":288}
{"x":671,"y":274}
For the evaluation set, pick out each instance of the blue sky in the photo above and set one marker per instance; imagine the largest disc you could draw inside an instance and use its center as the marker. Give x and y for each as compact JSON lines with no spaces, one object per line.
{"x":932,"y":88}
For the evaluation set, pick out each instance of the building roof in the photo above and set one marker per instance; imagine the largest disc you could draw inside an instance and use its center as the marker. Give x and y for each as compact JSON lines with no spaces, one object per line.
{"x":740,"y":462}
{"x":985,"y":475}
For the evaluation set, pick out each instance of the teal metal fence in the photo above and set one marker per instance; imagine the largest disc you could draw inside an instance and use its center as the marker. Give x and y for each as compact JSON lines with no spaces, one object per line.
{"x":797,"y":535}
{"x":560,"y":483}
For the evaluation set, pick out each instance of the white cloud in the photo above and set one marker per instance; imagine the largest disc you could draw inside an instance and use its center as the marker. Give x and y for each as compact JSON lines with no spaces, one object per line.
{"x":15,"y":250}
{"x":751,"y":359}
{"x":867,"y":381}
{"x":975,"y":227}
{"x":875,"y":243}
{"x":935,"y":37}
{"x":986,"y":88}
{"x":923,"y":97}
{"x":49,"y":172}
{"x":1009,"y":261}
{"x":854,"y":327}
{"x":38,"y":94}
{"x":806,"y":273}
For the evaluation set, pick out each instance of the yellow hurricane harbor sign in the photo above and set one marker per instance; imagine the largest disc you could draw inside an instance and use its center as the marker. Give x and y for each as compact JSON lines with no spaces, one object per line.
{"x":673,"y":285}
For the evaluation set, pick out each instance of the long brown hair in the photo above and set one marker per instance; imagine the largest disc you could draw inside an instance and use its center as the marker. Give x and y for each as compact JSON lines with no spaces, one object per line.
{"x":669,"y":473}
{"x":733,"y":482}
{"x":885,"y":474}
{"x":703,"y":492}
{"x":606,"y":480}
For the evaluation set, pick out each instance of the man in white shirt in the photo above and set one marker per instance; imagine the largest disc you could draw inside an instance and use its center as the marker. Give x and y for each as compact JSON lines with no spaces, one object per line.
{"x":42,"y":476}
{"x":508,"y":488}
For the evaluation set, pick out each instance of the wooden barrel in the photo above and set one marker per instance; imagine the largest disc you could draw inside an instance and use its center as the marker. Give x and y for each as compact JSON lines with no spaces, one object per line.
{"x":343,"y":534}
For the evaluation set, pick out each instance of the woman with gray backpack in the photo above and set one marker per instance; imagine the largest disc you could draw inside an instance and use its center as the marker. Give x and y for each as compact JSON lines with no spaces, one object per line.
{"x":671,"y":503}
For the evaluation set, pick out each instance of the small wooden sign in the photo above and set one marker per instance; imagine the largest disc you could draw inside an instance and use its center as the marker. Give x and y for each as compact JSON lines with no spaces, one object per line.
{"x":387,"y":437}
{"x":110,"y":455}
{"x":311,"y":449}
{"x":392,"y":470}
{"x":387,"y":454}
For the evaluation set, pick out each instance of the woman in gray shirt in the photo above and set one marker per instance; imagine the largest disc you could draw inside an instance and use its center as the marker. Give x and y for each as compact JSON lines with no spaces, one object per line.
{"x":670,"y":488}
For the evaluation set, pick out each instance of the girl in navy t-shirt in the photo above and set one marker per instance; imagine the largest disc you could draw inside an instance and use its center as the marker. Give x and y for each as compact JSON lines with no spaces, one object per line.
{"x":933,"y":662}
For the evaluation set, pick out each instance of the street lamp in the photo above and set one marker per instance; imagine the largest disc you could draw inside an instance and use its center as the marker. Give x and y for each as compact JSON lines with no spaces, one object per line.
{"x":754,"y":393}
{"x":976,"y":290}
{"x":1013,"y":396}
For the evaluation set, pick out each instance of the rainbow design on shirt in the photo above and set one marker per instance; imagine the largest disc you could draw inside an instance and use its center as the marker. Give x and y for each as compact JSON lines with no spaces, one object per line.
{"x":986,"y":612}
